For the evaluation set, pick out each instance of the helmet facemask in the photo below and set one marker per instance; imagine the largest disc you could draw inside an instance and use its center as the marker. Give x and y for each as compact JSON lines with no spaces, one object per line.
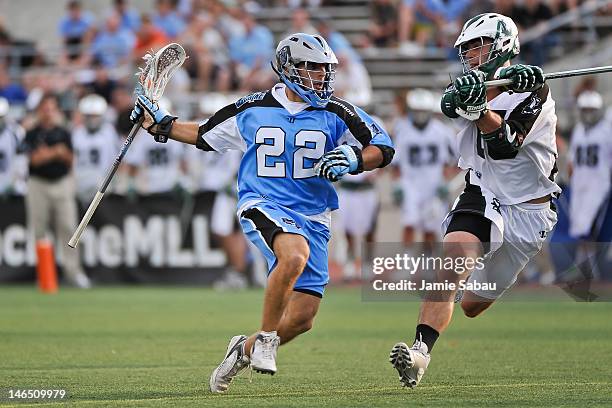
{"x":308,"y":76}
{"x":590,"y":116}
{"x":93,"y":123}
{"x":488,"y":61}
{"x":420,"y":118}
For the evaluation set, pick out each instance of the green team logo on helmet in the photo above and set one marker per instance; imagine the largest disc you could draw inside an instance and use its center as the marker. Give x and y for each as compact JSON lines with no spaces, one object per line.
{"x":504,"y":42}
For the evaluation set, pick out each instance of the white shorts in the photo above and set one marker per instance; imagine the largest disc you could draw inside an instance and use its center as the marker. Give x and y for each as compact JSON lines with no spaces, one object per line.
{"x":358,"y":210}
{"x":223,"y":216}
{"x":422,"y":212}
{"x":523,"y":229}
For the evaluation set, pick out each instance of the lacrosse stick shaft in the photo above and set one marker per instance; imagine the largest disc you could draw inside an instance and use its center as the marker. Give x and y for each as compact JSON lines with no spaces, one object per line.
{"x":102,"y":189}
{"x":557,"y":75}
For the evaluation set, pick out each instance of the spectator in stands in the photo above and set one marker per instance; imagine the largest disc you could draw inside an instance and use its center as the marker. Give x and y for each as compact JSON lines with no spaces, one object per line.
{"x":303,"y":3}
{"x":17,"y":53}
{"x":5,"y":44}
{"x":102,"y":83}
{"x":352,"y":79}
{"x":168,"y":19}
{"x":51,"y":189}
{"x":121,"y":107}
{"x":209,"y":58}
{"x":251,"y":54}
{"x":336,"y":40}
{"x":532,"y":13}
{"x":113,"y":45}
{"x":148,"y":37}
{"x":130,"y":19}
{"x":229,"y":26}
{"x":383,"y":23}
{"x":12,"y":91}
{"x":300,"y":23}
{"x":425,"y":18}
{"x":75,"y":28}
{"x":508,"y":8}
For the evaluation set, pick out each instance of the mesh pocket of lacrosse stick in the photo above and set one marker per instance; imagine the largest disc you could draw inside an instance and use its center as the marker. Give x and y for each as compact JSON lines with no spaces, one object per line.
{"x":158,"y":70}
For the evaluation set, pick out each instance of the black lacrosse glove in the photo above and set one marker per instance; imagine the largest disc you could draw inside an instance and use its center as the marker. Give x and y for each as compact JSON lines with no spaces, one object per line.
{"x":470,"y":95}
{"x":525,"y":78}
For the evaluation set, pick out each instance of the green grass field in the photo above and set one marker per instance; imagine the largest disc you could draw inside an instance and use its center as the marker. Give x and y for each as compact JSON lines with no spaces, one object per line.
{"x":149,"y":347}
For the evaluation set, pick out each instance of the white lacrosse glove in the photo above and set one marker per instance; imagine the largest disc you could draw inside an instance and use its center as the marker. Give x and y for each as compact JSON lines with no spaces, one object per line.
{"x":157,"y":121}
{"x":338,"y":162}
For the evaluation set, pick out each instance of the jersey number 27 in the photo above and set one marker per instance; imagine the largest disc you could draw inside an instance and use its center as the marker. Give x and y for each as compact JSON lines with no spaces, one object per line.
{"x":310,"y":144}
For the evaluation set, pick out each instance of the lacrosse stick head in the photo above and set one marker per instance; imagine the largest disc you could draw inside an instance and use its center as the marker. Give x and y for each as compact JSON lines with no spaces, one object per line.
{"x":158,"y":69}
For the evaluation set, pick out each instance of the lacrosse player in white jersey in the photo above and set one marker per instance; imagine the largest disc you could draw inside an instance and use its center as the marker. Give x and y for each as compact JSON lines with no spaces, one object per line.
{"x":425,"y":147}
{"x":156,"y":168}
{"x":507,"y":143}
{"x":217,"y":172}
{"x":357,"y":218}
{"x":13,"y":165}
{"x":95,"y":142}
{"x":590,"y":156}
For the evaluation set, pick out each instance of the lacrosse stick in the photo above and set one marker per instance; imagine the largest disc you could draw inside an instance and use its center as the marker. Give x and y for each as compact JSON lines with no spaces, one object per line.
{"x":152,"y":80}
{"x":557,"y":75}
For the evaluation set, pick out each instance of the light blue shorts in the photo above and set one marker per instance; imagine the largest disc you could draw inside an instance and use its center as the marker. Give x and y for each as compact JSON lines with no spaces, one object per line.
{"x":263,"y":220}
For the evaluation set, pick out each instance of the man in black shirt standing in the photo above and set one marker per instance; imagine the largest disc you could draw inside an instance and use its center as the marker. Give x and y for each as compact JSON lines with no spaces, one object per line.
{"x":51,"y":185}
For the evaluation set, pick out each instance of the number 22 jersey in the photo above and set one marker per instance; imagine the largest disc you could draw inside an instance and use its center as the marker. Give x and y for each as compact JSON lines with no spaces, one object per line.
{"x":282,"y":141}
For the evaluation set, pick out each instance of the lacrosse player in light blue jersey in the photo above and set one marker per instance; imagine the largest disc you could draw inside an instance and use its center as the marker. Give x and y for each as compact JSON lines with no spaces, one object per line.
{"x":296,"y":139}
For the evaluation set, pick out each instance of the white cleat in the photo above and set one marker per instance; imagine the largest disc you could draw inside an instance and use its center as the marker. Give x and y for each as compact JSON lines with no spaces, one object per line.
{"x":410,"y":363}
{"x":234,"y":363}
{"x":263,"y":354}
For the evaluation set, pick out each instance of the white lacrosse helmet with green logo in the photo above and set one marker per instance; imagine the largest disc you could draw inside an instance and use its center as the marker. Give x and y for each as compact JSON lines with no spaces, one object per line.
{"x":500,"y":29}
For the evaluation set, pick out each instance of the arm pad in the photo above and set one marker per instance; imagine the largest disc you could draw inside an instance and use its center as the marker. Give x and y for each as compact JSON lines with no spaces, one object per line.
{"x":502,"y":142}
{"x":387,"y":152}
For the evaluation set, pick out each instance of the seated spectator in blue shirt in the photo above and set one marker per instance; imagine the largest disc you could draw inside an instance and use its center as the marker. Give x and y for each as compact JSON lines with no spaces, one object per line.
{"x":12,"y":92}
{"x":251,"y":54}
{"x":74,"y":27}
{"x":113,"y":45}
{"x":168,"y":19}
{"x":382,"y":30}
{"x":336,"y":40}
{"x":424,"y":17}
{"x":130,"y":18}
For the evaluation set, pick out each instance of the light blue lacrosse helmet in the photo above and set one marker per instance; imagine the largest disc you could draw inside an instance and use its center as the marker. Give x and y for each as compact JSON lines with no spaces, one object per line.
{"x":297,"y":49}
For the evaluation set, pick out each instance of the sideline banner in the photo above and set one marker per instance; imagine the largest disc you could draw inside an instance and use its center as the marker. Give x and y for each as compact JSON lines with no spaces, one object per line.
{"x":160,"y":238}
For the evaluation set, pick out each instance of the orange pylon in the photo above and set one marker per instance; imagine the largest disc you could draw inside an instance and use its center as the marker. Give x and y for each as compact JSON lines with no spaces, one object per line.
{"x":45,"y":267}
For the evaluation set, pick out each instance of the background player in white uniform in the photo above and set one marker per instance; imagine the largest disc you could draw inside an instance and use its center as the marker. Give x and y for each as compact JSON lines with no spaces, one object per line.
{"x":507,"y":142}
{"x":156,"y":167}
{"x":96,"y":143}
{"x":13,"y":164}
{"x":424,"y":148}
{"x":217,"y":172}
{"x":590,"y":155}
{"x":359,"y":207}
